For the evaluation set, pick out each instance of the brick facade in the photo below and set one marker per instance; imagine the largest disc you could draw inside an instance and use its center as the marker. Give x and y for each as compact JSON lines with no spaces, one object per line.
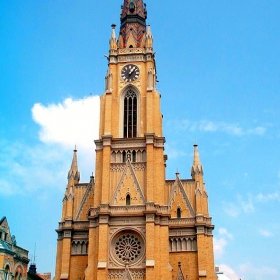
{"x":129,"y":222}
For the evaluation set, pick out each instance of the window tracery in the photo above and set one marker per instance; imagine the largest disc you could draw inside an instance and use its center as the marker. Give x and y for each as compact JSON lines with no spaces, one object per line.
{"x":128,"y":248}
{"x":130,"y":114}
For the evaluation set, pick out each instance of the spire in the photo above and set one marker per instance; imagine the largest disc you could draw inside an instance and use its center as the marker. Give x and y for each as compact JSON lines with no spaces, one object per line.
{"x":197,"y":167}
{"x":133,"y":24}
{"x":113,"y":39}
{"x":74,"y":173}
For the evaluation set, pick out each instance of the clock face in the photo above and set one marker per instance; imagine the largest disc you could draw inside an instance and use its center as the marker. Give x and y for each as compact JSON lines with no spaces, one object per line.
{"x":130,"y":73}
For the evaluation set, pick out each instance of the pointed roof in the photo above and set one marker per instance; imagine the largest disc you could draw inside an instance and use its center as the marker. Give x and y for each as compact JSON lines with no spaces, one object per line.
{"x":6,"y":241}
{"x":128,"y":177}
{"x":2,"y":220}
{"x":178,"y":185}
{"x":74,"y":172}
{"x":4,"y":226}
{"x":197,"y":167}
{"x":133,"y":23}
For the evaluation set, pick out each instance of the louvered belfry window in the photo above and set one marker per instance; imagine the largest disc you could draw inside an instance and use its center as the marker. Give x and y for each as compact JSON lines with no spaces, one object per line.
{"x":130,"y":114}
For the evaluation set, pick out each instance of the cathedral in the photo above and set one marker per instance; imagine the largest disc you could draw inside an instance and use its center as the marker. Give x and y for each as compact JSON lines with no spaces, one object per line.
{"x":130,"y":222}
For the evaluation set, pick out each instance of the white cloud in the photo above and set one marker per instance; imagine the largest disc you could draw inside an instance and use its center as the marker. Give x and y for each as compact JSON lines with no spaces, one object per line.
{"x":219,"y":247}
{"x":29,"y":168}
{"x":72,"y":122}
{"x":249,"y":271}
{"x":246,"y":204}
{"x":260,"y":272}
{"x":7,"y":188}
{"x":257,"y":130}
{"x":264,"y":198}
{"x":211,"y":126}
{"x":173,"y":152}
{"x":265,"y":233}
{"x":223,"y":231}
{"x":228,"y":271}
{"x":44,"y":165}
{"x":232,"y":209}
{"x":221,"y":242}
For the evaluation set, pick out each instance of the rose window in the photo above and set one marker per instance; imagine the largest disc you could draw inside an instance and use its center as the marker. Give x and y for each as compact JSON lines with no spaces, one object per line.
{"x":128,"y":248}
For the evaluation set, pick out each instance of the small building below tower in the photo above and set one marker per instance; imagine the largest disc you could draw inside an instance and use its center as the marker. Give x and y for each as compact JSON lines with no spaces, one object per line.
{"x":13,"y":259}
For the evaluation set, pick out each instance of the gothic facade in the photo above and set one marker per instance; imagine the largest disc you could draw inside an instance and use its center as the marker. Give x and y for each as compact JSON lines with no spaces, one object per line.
{"x":129,"y":221}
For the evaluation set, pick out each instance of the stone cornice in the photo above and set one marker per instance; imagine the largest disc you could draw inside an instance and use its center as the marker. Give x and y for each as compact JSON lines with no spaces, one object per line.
{"x":130,"y":143}
{"x":131,"y":55}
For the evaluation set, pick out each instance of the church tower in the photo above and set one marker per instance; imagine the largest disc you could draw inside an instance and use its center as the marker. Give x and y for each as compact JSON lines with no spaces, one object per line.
{"x":129,"y":222}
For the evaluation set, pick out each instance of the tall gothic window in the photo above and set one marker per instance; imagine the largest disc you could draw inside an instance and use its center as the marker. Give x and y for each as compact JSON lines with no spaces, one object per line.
{"x":130,"y":114}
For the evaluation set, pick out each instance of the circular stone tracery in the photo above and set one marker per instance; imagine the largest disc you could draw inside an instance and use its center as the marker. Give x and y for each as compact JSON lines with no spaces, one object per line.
{"x":128,"y":248}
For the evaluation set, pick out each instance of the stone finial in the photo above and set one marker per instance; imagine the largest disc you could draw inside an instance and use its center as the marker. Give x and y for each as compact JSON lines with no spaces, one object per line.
{"x":149,"y":39}
{"x":113,"y":40}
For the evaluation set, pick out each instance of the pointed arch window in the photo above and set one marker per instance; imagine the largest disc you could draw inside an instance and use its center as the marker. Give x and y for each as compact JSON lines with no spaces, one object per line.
{"x":6,"y":273}
{"x":134,"y":156}
{"x":179,"y":213}
{"x":124,"y":156}
{"x":130,"y":114}
{"x":128,"y":199}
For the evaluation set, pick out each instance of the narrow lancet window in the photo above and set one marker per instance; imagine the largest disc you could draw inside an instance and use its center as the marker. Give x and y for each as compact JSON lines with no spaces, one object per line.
{"x":179,"y":213}
{"x":124,"y":156}
{"x":130,"y":115}
{"x":134,"y":156}
{"x":128,"y":199}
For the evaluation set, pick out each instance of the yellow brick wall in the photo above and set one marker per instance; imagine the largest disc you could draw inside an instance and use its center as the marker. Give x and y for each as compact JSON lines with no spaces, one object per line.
{"x":78,"y":266}
{"x":189,"y":264}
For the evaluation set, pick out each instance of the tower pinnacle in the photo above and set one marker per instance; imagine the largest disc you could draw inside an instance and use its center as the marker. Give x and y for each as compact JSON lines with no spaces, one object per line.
{"x":74,"y":173}
{"x":197,"y":167}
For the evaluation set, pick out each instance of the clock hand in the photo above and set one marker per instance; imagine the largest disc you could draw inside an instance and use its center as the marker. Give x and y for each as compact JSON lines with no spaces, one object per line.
{"x":132,"y":70}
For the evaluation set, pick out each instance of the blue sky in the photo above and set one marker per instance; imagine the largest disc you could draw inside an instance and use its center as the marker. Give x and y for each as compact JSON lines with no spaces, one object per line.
{"x":218,"y":66}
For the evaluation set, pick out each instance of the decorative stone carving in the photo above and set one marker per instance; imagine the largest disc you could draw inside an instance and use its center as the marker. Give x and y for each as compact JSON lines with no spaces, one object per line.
{"x":128,"y":180}
{"x":182,"y":244}
{"x":127,"y":249}
{"x":117,"y":167}
{"x":79,"y":247}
